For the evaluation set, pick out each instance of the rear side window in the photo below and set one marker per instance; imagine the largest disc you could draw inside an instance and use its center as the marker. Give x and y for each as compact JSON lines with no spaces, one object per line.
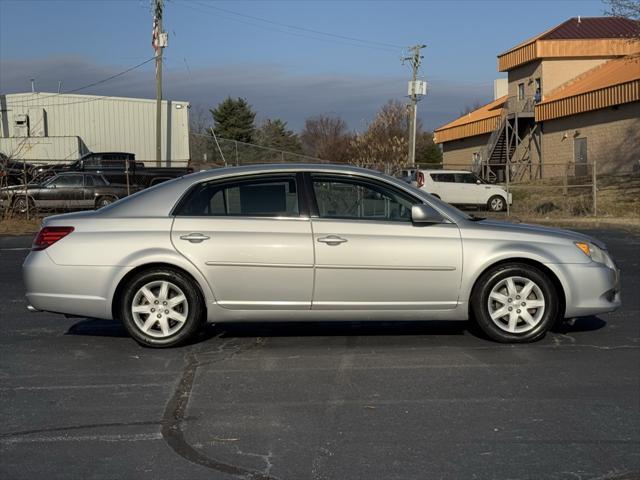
{"x":265,"y":197}
{"x":443,"y":177}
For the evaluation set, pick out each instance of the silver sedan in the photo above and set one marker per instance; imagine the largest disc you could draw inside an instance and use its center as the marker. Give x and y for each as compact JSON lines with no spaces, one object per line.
{"x":310,"y":242}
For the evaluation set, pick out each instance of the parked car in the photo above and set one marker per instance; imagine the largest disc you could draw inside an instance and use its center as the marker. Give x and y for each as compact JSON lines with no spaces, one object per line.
{"x":408,"y":175}
{"x":309,"y":242}
{"x":117,"y":166}
{"x":13,"y":172}
{"x":64,"y":191}
{"x":460,"y":187}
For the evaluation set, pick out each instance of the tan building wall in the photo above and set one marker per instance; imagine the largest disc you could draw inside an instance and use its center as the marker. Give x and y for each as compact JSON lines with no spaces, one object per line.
{"x":459,"y":153}
{"x":552,"y":72}
{"x":557,"y":71}
{"x":612,"y":136}
{"x":526,"y":75}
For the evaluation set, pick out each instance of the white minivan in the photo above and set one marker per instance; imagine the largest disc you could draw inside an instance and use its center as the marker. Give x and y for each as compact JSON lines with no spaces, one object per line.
{"x":460,"y":187}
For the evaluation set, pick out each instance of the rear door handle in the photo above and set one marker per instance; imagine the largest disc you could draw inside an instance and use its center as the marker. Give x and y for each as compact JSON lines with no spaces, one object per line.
{"x":194,"y":237}
{"x":332,"y":240}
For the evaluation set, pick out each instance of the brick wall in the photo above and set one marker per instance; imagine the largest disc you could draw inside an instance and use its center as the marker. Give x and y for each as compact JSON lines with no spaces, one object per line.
{"x":613,"y":139}
{"x":459,"y":153}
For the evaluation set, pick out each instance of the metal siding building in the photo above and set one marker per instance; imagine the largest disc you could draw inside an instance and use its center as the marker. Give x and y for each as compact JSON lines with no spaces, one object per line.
{"x":61,"y":127}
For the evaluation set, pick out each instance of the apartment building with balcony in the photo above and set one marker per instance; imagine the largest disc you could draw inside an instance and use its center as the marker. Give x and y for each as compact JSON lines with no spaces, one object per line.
{"x":572,"y":99}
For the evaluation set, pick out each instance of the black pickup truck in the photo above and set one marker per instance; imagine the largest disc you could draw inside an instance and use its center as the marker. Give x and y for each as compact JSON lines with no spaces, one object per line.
{"x":116,"y":167}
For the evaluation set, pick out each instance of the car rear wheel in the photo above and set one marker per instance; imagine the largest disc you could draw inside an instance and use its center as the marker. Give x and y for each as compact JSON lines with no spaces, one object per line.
{"x":104,"y":201}
{"x":161,"y":308}
{"x":497,"y":204}
{"x":515,"y":303}
{"x":20,"y":204}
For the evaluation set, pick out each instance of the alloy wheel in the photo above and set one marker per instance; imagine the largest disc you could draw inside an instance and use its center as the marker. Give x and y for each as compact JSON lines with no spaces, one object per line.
{"x":516,"y":304}
{"x":160,"y":309}
{"x":497,"y":204}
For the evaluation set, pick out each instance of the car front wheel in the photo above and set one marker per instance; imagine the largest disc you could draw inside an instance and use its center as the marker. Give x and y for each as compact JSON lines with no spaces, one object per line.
{"x":497,"y":204}
{"x":161,"y":308}
{"x":515,"y":303}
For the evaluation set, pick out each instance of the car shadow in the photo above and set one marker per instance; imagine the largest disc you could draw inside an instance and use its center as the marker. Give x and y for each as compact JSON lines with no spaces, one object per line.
{"x":334,"y":329}
{"x":582,"y":324}
{"x":110,"y":328}
{"x":94,"y":327}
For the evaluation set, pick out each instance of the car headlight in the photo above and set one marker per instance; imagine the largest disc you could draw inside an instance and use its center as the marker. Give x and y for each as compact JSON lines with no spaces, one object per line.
{"x":596,"y":253}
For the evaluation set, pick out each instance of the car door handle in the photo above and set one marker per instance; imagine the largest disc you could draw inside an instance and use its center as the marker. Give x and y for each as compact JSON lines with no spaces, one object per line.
{"x":194,"y":237}
{"x":332,"y":240}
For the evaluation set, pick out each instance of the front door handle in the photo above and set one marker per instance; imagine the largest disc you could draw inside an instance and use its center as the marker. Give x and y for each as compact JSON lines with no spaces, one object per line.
{"x":332,"y":240}
{"x":194,"y":237}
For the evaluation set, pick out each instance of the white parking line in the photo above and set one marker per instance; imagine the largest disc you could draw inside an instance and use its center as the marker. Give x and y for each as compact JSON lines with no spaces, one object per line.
{"x":81,"y":387}
{"x":82,"y":438}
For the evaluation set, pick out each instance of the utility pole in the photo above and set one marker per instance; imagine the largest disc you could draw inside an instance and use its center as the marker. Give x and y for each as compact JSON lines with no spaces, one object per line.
{"x":159,"y":42}
{"x":417,"y":88}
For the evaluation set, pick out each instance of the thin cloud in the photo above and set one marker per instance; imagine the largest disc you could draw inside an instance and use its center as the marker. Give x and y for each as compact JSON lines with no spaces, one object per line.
{"x":272,"y":90}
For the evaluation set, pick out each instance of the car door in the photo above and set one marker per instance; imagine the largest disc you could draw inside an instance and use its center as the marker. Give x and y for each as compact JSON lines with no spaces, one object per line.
{"x":468,"y":191}
{"x":251,"y":238}
{"x":88,"y":191}
{"x":64,"y":191}
{"x":369,"y":255}
{"x":443,"y":186}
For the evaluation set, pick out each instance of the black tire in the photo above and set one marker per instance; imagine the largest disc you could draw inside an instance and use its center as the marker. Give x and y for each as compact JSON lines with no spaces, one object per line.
{"x":195,"y":316}
{"x":104,"y":201}
{"x":497,"y":203}
{"x":497,"y":329}
{"x":19,"y":205}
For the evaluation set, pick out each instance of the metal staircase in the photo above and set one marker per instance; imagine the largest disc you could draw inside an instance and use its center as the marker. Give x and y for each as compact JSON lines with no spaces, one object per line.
{"x":512,"y":143}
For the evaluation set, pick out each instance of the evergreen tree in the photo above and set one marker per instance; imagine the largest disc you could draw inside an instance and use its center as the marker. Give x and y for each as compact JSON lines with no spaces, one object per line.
{"x":426,"y":150}
{"x":274,"y":134}
{"x":234,"y":120}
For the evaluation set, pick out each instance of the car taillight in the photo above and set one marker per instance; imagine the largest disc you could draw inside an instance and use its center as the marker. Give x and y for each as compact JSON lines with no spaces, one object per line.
{"x":420,"y":179}
{"x":47,"y":236}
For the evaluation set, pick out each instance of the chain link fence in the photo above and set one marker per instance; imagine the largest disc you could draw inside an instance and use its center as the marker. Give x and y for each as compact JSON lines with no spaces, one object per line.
{"x":567,"y":189}
{"x":208,"y":151}
{"x":549,"y":190}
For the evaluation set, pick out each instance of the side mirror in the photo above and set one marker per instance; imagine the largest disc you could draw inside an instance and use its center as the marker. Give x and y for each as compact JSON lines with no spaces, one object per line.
{"x":423,"y":214}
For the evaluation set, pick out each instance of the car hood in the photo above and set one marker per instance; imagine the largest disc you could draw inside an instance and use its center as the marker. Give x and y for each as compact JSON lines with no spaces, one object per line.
{"x":19,"y":188}
{"x":542,"y":230}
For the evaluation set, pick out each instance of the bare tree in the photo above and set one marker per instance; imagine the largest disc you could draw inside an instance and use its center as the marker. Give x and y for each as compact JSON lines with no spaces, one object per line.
{"x":326,"y":137}
{"x":627,"y":9}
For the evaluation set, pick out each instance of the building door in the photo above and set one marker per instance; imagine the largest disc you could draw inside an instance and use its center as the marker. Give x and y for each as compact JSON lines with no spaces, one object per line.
{"x":580,"y":156}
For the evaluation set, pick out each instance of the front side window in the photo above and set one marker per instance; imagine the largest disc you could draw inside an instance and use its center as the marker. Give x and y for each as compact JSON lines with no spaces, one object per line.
{"x":465,"y":178}
{"x":265,"y":197}
{"x":359,"y":200}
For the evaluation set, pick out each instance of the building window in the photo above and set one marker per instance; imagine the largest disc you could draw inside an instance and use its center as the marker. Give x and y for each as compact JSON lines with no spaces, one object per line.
{"x":538,"y":94}
{"x":521,"y":91}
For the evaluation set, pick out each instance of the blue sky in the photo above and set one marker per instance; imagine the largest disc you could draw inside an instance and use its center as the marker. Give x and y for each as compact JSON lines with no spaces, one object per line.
{"x":283,"y":72}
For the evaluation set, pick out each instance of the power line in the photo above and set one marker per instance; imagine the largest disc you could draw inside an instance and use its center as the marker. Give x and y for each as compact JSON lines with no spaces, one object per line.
{"x":99,"y":82}
{"x":343,"y":38}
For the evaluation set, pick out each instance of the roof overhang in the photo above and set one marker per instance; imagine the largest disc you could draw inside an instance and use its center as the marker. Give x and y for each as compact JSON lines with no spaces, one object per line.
{"x":537,"y":49}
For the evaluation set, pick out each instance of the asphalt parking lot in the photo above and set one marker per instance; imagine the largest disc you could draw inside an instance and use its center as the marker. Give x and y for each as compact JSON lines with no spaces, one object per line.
{"x":319,"y":401}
